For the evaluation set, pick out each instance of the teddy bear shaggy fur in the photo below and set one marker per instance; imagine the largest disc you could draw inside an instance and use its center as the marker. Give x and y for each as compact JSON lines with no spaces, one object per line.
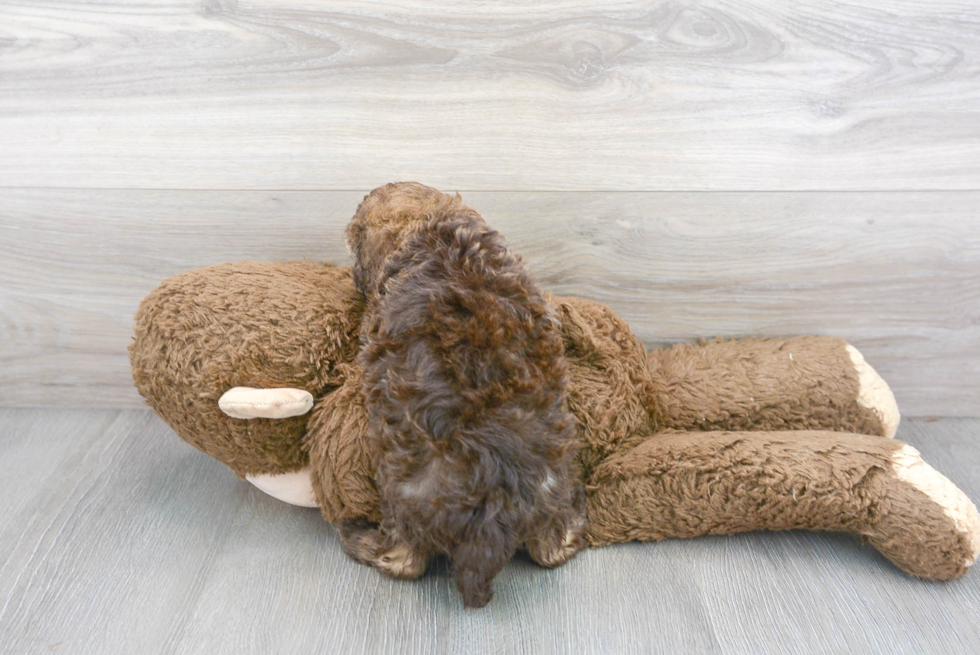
{"x":256,"y":364}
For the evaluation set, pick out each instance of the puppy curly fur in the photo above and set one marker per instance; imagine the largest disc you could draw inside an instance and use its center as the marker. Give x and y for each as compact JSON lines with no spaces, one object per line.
{"x":464,"y":380}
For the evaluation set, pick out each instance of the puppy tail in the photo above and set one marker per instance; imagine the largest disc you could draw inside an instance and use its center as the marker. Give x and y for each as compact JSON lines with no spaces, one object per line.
{"x":478,"y":558}
{"x":475,"y":568}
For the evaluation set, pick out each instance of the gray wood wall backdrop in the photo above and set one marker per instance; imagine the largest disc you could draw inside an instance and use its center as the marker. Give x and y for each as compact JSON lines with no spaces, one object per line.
{"x":705,"y":168}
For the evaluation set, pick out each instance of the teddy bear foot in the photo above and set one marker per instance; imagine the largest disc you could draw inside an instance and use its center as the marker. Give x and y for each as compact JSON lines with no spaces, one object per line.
{"x":926,"y":525}
{"x":874,"y":393}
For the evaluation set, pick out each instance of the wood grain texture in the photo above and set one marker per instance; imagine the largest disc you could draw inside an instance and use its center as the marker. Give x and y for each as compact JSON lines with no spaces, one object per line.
{"x":102,"y":553}
{"x":119,"y":538}
{"x":663,"y":95}
{"x":897,"y":274}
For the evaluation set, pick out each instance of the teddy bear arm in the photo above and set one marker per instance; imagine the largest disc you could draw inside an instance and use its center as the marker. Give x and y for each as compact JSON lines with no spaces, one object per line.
{"x":342,"y":462}
{"x":810,"y":382}
{"x":689,"y":484}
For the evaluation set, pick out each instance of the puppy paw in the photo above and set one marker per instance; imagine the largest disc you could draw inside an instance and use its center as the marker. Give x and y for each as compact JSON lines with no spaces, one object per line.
{"x":365,"y":543}
{"x":401,"y":562}
{"x":556,"y":549}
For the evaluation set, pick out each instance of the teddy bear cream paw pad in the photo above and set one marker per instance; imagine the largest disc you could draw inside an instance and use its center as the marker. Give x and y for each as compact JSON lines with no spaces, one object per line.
{"x":293,"y":487}
{"x":874,"y":393}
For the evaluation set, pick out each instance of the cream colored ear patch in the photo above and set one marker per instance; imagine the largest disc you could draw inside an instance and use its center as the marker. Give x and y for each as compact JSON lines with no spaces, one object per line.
{"x":874,"y":393}
{"x":246,"y":402}
{"x":294,"y":487}
{"x":910,"y":467}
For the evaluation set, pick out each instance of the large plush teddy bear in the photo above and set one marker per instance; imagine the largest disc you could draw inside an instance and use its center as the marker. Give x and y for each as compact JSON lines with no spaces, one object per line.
{"x":255,"y":364}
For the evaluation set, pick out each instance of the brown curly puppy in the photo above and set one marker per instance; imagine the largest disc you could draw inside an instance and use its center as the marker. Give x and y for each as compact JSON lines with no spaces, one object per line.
{"x":464,"y":380}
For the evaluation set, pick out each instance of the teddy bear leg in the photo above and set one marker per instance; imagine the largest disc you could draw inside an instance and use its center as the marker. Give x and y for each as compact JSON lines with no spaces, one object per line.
{"x":687,"y":484}
{"x":800,"y":383}
{"x":343,"y":469}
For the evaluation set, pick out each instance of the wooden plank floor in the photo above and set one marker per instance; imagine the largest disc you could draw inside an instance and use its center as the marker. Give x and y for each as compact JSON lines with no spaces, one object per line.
{"x":115,"y":537}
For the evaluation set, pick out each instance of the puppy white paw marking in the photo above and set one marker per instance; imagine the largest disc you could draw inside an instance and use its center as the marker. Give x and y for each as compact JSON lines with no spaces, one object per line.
{"x":294,"y":487}
{"x":246,"y":402}
{"x":874,"y":393}
{"x":401,"y":562}
{"x":910,"y":468}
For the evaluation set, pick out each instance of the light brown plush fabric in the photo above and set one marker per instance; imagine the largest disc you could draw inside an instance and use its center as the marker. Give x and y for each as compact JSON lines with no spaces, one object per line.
{"x":250,"y":324}
{"x":914,"y":532}
{"x":273,"y":325}
{"x":760,"y":384}
{"x":609,"y":387}
{"x":343,"y":468}
{"x":687,"y":484}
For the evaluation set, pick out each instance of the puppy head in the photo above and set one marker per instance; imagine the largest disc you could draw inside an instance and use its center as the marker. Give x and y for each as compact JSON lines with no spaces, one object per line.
{"x":384,"y":219}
